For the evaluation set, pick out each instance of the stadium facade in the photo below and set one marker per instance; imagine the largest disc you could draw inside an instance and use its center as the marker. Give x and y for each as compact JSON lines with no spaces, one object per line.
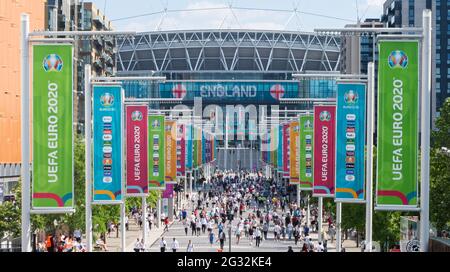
{"x":230,"y":68}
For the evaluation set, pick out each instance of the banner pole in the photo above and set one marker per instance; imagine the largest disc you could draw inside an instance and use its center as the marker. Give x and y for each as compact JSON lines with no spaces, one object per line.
{"x":144,"y":221}
{"x":88,"y":156}
{"x":369,"y":161}
{"x":425,"y":133}
{"x":319,"y":220}
{"x":338,"y":226}
{"x":25,"y":133}
{"x":122,"y":226}
{"x":159,"y":211}
{"x":307,"y":212}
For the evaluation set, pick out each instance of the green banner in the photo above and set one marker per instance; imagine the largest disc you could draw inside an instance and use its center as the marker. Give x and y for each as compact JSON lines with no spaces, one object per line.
{"x":156,"y":152}
{"x":398,"y":115}
{"x":195,"y":149}
{"x":52,"y":127}
{"x":306,"y":151}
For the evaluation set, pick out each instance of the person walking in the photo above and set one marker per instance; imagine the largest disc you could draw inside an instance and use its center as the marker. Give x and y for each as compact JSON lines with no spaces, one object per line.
{"x":222,"y":239}
{"x":211,"y":237}
{"x":276,"y":232}
{"x":258,"y":237}
{"x":265,"y":230}
{"x":166,"y":224}
{"x":190,"y":247}
{"x":193,"y":226}
{"x":204,"y":223}
{"x":238,"y":234}
{"x":175,"y":245}
{"x":296,"y":234}
{"x":198,"y":226}
{"x":137,"y":245}
{"x":142,"y":245}
{"x":186,"y":226}
{"x":163,"y":244}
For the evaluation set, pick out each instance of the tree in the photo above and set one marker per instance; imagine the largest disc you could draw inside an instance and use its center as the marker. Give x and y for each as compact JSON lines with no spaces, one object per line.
{"x":10,"y":219}
{"x":440,"y":170}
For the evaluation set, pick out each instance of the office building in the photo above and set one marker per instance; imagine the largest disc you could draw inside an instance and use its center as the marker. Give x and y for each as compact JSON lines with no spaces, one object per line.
{"x":10,"y":93}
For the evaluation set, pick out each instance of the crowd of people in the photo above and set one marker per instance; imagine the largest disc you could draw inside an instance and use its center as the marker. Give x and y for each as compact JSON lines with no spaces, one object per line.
{"x":251,"y":207}
{"x":254,"y":207}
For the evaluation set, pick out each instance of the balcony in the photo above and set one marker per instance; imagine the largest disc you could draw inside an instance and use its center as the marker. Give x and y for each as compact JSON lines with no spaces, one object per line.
{"x":98,"y":64}
{"x":109,"y":40}
{"x":98,"y":41}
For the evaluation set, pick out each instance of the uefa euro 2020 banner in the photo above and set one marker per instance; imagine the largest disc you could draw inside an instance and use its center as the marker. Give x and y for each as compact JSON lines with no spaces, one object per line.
{"x":108,"y":144}
{"x":294,"y":159}
{"x":137,"y":140}
{"x":170,"y":134}
{"x":156,"y":152}
{"x":181,"y":150}
{"x":286,"y":147}
{"x":324,"y":150}
{"x":398,"y":115}
{"x":280,"y":149}
{"x":52,"y":127}
{"x":306,"y":143}
{"x":350,"y":138}
{"x":189,"y":146}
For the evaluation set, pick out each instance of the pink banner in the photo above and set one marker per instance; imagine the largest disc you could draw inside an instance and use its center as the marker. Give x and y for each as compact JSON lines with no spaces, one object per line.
{"x":324,"y":150}
{"x":136,"y":131}
{"x":181,"y":150}
{"x":168,"y":192}
{"x":286,"y":170}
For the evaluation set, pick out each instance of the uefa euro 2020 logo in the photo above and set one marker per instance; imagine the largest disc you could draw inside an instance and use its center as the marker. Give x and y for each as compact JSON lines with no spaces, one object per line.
{"x":53,"y":63}
{"x":398,"y":59}
{"x":325,"y":116}
{"x":350,"y":97}
{"x":136,"y":116}
{"x":107,"y":100}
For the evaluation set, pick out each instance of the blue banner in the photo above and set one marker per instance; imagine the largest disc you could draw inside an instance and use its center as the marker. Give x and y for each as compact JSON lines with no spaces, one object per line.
{"x":204,"y":149}
{"x":231,"y":91}
{"x":280,"y":149}
{"x":350,"y":136}
{"x":189,"y":151}
{"x":108,"y":149}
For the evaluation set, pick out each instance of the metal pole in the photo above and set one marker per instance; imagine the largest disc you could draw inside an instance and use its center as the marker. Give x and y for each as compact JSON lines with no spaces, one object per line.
{"x":190,"y":183}
{"x":144,"y":221}
{"x":25,"y":133}
{"x":251,"y":155}
{"x":298,"y":195}
{"x":319,"y":220}
{"x":229,"y":235}
{"x":88,"y":159}
{"x":122,"y":226}
{"x":425,"y":133}
{"x":159,"y":212}
{"x":369,"y":161}
{"x":308,"y":212}
{"x":338,"y":226}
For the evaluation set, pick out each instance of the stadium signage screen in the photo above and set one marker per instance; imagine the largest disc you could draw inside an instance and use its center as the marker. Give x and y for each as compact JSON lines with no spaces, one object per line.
{"x":230,"y":91}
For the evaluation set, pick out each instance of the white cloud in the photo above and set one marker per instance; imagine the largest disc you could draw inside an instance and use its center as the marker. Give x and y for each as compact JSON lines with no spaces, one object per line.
{"x":375,"y":3}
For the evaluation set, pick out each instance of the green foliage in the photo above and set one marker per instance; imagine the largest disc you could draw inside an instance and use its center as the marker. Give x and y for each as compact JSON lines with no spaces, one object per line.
{"x":440,"y":171}
{"x":441,"y":136}
{"x":10,"y":219}
{"x":386,"y":228}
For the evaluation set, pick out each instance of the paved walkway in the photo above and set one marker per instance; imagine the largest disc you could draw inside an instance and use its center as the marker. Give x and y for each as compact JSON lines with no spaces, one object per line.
{"x":201,"y":242}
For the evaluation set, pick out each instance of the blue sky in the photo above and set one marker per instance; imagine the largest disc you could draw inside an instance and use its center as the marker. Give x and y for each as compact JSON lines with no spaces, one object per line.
{"x":223,"y":17}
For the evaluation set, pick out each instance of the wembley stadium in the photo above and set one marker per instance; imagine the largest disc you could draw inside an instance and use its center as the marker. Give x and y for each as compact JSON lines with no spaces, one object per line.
{"x":189,"y":54}
{"x":231,"y":67}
